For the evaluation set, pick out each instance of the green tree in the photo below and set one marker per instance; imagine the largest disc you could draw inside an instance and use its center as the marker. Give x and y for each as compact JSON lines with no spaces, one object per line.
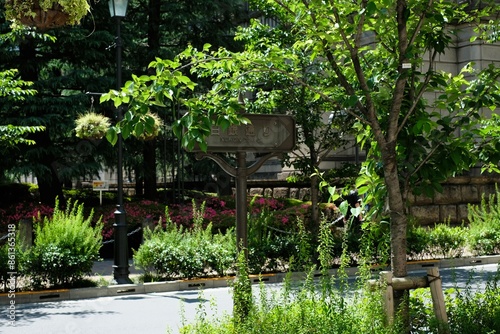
{"x":379,"y":60}
{"x":11,"y":136}
{"x":63,"y":75}
{"x":168,"y":28}
{"x":321,"y":124}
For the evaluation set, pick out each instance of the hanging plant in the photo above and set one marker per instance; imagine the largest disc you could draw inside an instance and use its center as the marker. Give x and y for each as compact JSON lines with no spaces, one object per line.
{"x":152,"y":126}
{"x":92,"y":126}
{"x":46,"y":14}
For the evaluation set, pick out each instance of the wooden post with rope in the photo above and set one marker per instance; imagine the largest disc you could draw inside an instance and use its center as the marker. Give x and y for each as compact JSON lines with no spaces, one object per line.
{"x":432,"y":281}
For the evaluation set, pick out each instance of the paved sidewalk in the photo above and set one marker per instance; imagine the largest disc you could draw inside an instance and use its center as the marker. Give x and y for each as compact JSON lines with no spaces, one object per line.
{"x":104,"y":270}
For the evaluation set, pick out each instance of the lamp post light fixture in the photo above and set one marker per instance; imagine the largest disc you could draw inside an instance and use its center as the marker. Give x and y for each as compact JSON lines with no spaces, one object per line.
{"x":118,"y":9}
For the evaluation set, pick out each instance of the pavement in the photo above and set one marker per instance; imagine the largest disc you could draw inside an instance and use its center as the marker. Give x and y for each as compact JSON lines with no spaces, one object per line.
{"x":103,"y":270}
{"x":103,"y":274}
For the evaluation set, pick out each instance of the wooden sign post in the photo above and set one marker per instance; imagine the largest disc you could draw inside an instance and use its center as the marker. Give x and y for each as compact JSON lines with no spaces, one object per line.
{"x":269,"y":134}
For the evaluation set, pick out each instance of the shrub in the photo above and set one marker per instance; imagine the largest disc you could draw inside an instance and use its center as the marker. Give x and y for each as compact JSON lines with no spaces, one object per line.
{"x":178,"y":252}
{"x":484,"y":226}
{"x":272,"y":239}
{"x":469,"y":311}
{"x":64,"y":249}
{"x":4,"y":267}
{"x":447,"y":241}
{"x":417,"y":245}
{"x":472,"y":312}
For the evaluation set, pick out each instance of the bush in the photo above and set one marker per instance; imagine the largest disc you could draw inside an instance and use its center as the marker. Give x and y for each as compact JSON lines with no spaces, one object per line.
{"x":177,"y":252}
{"x":469,"y":311}
{"x":484,"y":226}
{"x":4,"y":267}
{"x":417,"y":245}
{"x":472,"y":312}
{"x":64,"y":249}
{"x":447,"y":241}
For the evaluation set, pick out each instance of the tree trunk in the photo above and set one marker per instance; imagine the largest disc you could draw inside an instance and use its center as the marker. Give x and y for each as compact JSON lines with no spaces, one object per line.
{"x":48,"y":181}
{"x":49,"y":185}
{"x":149,"y":152}
{"x":315,"y":202}
{"x":139,"y":180}
{"x":398,"y":226}
{"x":149,"y":148}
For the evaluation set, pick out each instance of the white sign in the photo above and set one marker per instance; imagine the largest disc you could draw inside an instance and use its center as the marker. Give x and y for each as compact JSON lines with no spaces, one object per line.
{"x":100,"y":185}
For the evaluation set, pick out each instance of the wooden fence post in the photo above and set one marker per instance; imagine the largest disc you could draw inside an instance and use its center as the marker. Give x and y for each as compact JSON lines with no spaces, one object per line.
{"x":386,"y":277}
{"x":438,"y":299}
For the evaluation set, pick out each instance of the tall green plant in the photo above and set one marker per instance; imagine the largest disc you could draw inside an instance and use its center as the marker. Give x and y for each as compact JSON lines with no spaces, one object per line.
{"x":484,"y":225}
{"x":176,"y":252}
{"x":65,"y":248}
{"x":447,"y":241}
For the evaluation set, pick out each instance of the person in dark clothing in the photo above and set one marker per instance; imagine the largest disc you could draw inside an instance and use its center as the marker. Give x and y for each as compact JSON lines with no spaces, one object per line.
{"x":354,"y":201}
{"x":353,"y":223}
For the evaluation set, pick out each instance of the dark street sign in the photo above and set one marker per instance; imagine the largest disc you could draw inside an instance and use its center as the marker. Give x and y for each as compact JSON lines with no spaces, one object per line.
{"x":266,"y":133}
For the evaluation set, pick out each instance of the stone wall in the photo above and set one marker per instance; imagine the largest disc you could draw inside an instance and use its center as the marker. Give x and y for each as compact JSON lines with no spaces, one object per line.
{"x":451,"y":205}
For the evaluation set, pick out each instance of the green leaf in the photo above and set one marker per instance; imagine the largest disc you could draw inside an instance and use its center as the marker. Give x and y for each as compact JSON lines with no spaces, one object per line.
{"x":112,"y":135}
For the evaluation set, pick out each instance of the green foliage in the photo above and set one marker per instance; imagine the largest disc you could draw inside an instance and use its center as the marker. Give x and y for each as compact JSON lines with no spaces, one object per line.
{"x":484,"y":225}
{"x":64,"y":249}
{"x":303,"y":240}
{"x":268,"y":247}
{"x":11,"y":135}
{"x":375,"y":242}
{"x":469,"y":311}
{"x":4,"y":264}
{"x":13,"y":88}
{"x":447,"y":241}
{"x":176,"y":252}
{"x":472,"y":311}
{"x":417,"y":244}
{"x":300,"y":309}
{"x":242,"y":289}
{"x":92,"y":125}
{"x":17,"y":10}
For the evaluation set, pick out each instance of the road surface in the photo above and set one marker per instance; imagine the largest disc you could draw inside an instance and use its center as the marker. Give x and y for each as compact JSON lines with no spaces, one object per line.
{"x":156,"y":312}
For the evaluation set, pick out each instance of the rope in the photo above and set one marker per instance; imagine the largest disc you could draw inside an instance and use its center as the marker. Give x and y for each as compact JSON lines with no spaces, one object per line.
{"x":4,"y":237}
{"x":288,"y":232}
{"x":432,"y":278}
{"x":128,"y":235}
{"x":278,"y":230}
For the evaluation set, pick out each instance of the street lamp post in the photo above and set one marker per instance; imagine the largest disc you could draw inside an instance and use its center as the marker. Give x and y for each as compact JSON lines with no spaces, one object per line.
{"x":117,"y":9}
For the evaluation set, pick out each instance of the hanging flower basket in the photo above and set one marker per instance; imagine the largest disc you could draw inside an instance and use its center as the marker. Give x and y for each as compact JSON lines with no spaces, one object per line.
{"x":46,"y":14}
{"x":154,"y":127}
{"x":92,"y":126}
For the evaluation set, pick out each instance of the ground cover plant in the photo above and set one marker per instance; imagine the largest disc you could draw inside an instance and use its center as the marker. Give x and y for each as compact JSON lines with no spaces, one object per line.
{"x":329,"y":305}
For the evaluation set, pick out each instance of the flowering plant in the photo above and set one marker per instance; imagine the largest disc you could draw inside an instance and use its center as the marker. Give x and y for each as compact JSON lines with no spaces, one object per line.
{"x":34,"y":12}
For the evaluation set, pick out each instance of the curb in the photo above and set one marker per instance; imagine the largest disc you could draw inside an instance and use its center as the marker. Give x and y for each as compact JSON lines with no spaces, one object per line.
{"x":196,"y":284}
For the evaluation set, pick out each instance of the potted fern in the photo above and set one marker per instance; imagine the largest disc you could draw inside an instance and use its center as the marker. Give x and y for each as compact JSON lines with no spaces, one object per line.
{"x":46,"y":14}
{"x":92,"y":126}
